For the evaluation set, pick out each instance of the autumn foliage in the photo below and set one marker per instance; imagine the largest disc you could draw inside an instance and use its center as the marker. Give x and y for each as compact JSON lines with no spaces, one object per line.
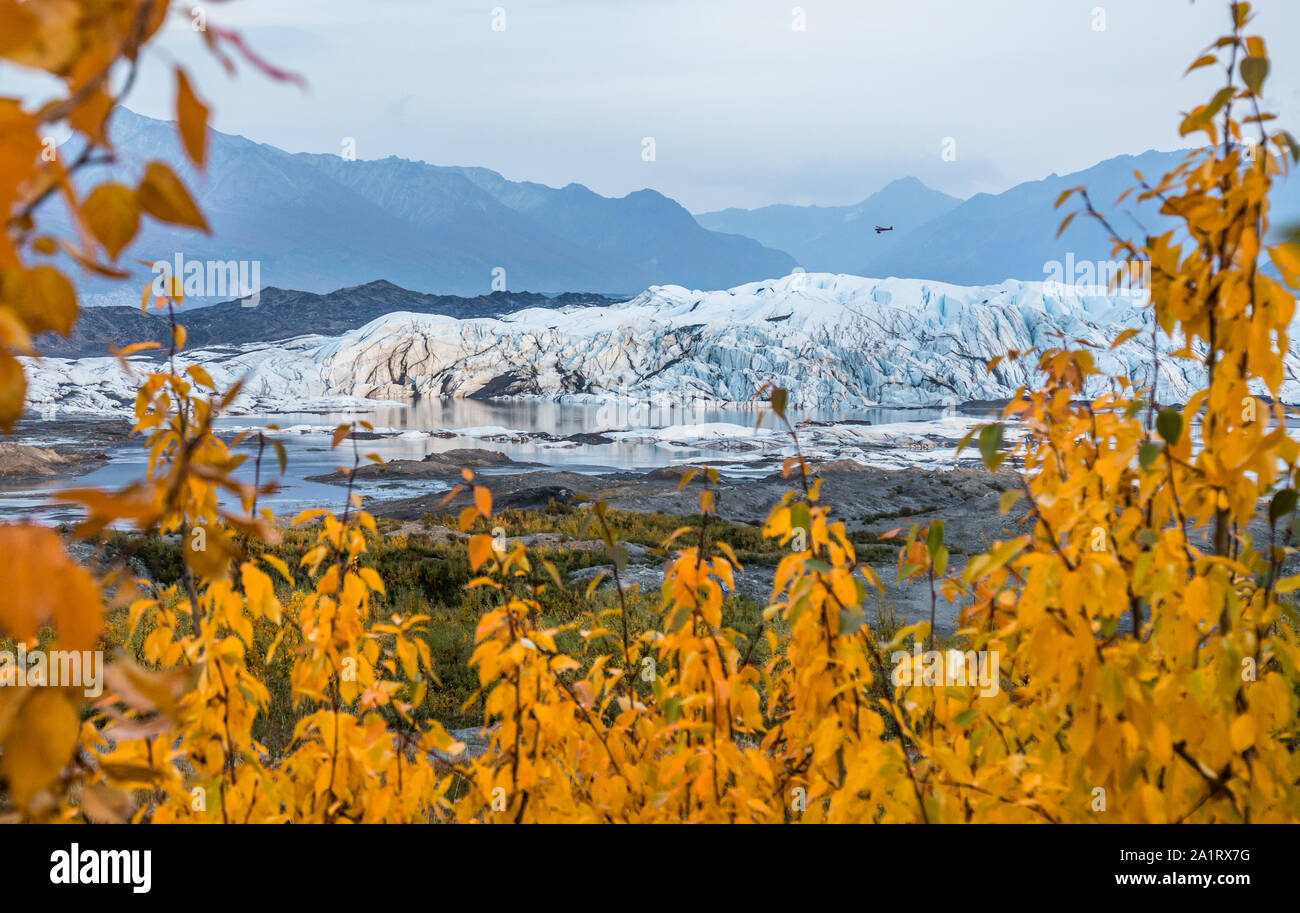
{"x":1143,"y":632}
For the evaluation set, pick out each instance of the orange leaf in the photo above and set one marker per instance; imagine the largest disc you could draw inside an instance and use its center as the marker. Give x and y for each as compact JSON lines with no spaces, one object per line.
{"x":1124,"y":337}
{"x":49,"y":301}
{"x":44,"y":585}
{"x":163,"y":196}
{"x":111,"y":213}
{"x":480,"y":549}
{"x":467,"y":518}
{"x":41,"y":743}
{"x":13,"y":388}
{"x":191,"y":119}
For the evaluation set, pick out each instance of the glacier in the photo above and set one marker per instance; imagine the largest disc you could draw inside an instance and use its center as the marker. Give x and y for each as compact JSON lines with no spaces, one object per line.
{"x":834,"y":341}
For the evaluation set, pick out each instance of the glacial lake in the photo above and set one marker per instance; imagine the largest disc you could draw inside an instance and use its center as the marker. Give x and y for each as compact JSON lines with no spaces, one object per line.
{"x":409,"y":432}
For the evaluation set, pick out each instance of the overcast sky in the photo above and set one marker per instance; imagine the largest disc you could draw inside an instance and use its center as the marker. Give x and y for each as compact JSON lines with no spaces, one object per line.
{"x":744,"y":107}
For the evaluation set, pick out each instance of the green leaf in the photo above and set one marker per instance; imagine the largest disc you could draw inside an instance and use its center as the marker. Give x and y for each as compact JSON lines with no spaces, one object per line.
{"x":1284,"y":138}
{"x":618,"y":554}
{"x":672,"y":709}
{"x":1147,"y":454}
{"x":801,"y":518}
{"x":796,"y":610}
{"x":1008,"y":500}
{"x":281,"y":456}
{"x":1282,"y":504}
{"x":1219,"y":100}
{"x":1169,"y":423}
{"x":779,"y":397}
{"x":990,"y":444}
{"x":1254,"y":70}
{"x":966,"y":717}
{"x":851,"y":621}
{"x":966,"y":439}
{"x":679,"y":617}
{"x":934,"y":537}
{"x":940,"y":561}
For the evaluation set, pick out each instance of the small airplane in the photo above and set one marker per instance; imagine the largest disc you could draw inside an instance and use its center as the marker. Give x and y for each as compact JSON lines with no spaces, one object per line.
{"x":879,"y":229}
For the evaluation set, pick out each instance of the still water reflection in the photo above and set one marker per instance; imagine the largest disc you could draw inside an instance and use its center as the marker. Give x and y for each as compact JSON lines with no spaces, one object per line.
{"x":450,"y":424}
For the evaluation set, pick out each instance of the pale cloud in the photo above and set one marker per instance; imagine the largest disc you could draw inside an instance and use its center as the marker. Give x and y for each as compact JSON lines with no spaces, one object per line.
{"x":745,"y":109}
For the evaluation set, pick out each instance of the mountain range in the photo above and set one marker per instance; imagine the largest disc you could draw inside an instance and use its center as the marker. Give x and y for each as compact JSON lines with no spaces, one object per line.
{"x":318,"y":223}
{"x":837,"y":239}
{"x":283,"y":314}
{"x":983,"y":240}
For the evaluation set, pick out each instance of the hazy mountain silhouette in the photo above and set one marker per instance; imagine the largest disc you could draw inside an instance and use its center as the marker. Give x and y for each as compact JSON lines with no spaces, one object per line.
{"x":319,"y":223}
{"x":836,"y":239}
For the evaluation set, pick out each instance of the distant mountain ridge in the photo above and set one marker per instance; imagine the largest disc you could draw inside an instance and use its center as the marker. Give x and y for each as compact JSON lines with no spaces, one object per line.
{"x":283,"y":314}
{"x":319,"y":223}
{"x":985,"y":240}
{"x":837,"y":238}
{"x":993,"y":237}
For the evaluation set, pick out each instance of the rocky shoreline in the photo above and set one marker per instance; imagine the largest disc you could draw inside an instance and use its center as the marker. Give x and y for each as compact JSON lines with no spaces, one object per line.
{"x":32,"y":455}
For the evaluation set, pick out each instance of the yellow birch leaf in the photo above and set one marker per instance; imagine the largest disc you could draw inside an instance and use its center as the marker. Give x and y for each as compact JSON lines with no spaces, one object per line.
{"x":111,"y":213}
{"x":163,"y":196}
{"x":480,"y":549}
{"x":191,"y":119}
{"x":1242,"y":733}
{"x":40,"y":744}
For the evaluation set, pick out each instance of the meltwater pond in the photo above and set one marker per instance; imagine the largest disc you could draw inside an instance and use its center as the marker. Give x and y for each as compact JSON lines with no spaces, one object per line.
{"x":563,"y":436}
{"x":541,"y":432}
